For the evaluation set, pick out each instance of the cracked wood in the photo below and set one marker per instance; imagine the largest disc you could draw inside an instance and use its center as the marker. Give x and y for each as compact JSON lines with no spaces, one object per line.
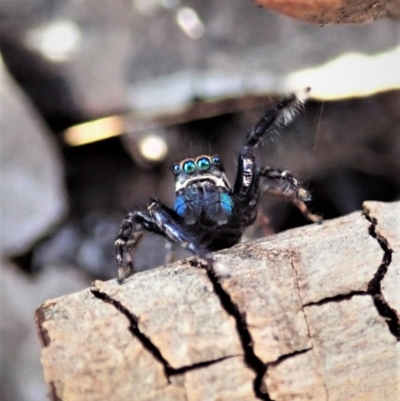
{"x":296,"y":319}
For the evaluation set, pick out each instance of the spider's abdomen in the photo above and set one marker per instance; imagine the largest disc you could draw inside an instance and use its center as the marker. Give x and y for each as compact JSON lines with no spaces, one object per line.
{"x":205,"y":204}
{"x":210,"y":215}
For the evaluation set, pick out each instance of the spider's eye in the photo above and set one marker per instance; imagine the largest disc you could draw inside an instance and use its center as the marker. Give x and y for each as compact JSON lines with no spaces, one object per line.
{"x":216,"y":160}
{"x":189,"y":166}
{"x":203,"y":163}
{"x":176,"y":168}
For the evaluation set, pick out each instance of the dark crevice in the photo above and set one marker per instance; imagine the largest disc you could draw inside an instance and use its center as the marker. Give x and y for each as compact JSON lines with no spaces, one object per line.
{"x":250,"y":358}
{"x":374,"y":286}
{"x":283,"y":357}
{"x":337,"y":298}
{"x":183,"y":369}
{"x":290,"y":355}
{"x":146,"y":342}
{"x":134,"y":328}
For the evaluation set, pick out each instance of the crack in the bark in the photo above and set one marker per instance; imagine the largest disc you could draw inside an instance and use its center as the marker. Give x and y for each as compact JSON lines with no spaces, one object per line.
{"x":289,"y":355}
{"x":250,"y":358}
{"x":336,"y":298}
{"x":283,"y":357}
{"x":374,"y":286}
{"x":134,"y":328}
{"x":198,"y":365}
{"x":296,"y":276}
{"x":147,"y":343}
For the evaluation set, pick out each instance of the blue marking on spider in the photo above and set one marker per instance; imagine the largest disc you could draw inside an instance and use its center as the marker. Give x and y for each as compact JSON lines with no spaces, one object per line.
{"x":226,"y":202}
{"x":180,"y":205}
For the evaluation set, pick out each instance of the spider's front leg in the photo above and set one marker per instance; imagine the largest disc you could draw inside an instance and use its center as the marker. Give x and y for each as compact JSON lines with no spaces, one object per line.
{"x":130,"y":233}
{"x":283,"y":184}
{"x":280,"y":183}
{"x":172,"y":227}
{"x":158,"y":219}
{"x":276,"y":117}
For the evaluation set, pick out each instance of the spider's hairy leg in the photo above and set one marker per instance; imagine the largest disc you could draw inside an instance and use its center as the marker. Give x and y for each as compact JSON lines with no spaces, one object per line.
{"x":130,"y":233}
{"x":246,"y":183}
{"x":170,"y":225}
{"x":276,"y":117}
{"x":283,"y":184}
{"x":158,"y":219}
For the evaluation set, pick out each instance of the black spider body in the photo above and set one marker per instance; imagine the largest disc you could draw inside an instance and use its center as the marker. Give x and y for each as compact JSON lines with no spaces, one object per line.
{"x":205,"y":203}
{"x":209,"y":214}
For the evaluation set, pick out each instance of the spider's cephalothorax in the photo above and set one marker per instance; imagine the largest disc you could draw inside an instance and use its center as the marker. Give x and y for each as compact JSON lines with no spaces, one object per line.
{"x":204,"y":200}
{"x":209,"y":214}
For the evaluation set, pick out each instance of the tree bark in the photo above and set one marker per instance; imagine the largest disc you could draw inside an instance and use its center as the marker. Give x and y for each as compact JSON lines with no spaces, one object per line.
{"x":335,"y":11}
{"x":309,"y":314}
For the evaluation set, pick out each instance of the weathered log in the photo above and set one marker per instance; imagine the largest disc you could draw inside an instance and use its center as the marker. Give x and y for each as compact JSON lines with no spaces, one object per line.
{"x":309,"y":314}
{"x":335,"y":11}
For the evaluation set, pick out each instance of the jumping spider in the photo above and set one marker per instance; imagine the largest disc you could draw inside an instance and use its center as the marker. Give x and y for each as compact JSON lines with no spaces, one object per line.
{"x":209,"y":214}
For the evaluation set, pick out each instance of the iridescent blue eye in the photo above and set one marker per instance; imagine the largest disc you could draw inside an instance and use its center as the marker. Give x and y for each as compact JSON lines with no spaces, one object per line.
{"x":189,"y":166}
{"x":216,"y":160}
{"x":176,"y":168}
{"x":203,"y":163}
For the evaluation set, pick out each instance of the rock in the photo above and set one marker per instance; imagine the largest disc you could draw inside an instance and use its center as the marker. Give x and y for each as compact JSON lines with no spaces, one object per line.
{"x":19,"y":348}
{"x":33,"y":195}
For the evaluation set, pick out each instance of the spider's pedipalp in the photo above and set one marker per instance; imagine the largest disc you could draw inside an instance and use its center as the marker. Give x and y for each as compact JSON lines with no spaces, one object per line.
{"x":283,"y":184}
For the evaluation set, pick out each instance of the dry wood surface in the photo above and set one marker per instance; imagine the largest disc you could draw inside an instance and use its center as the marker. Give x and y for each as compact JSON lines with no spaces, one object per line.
{"x":309,"y":314}
{"x":335,"y":11}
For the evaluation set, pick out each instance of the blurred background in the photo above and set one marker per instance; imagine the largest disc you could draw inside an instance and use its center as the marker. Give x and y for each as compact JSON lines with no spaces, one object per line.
{"x":99,"y":98}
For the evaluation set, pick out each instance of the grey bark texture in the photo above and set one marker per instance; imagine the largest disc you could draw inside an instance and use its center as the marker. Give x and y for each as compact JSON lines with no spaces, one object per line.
{"x":309,"y":314}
